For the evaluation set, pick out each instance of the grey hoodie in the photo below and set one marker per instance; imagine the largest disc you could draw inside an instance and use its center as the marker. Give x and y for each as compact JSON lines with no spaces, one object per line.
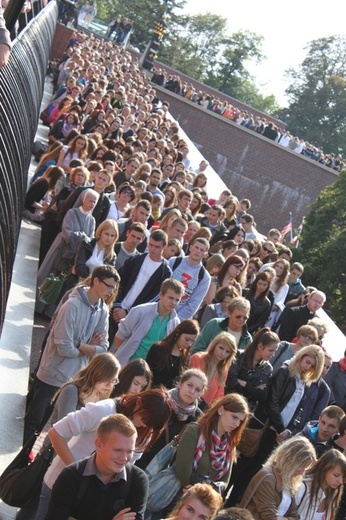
{"x":77,"y":320}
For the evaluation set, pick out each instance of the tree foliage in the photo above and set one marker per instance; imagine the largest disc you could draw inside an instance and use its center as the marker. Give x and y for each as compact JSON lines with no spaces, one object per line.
{"x":199,"y":46}
{"x":317,"y":95}
{"x":323,"y":246}
{"x":143,"y":13}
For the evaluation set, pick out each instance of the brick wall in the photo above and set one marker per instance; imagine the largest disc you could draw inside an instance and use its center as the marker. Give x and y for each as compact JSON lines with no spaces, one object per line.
{"x":275,"y":179}
{"x":61,"y":38}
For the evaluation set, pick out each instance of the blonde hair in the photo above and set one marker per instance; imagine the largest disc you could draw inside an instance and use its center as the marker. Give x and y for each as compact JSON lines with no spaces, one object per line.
{"x":205,"y":494}
{"x":313,"y":375}
{"x":319,"y":325}
{"x":108,"y":224}
{"x":166,"y":219}
{"x":289,"y":457}
{"x":227,"y":341}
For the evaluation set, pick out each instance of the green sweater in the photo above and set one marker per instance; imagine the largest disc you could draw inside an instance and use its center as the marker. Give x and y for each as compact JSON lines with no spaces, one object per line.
{"x":185,"y":457}
{"x":212,"y":329}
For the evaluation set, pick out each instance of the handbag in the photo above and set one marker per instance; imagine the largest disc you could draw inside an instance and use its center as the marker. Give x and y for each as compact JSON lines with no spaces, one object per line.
{"x":21,"y":480}
{"x":18,"y":486}
{"x":164,"y":484}
{"x":251,"y":440}
{"x":50,"y":289}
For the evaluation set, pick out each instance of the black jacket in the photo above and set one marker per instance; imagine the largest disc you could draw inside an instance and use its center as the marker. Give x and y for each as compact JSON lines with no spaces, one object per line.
{"x":291,"y":319}
{"x":79,"y":496}
{"x":281,"y":389}
{"x":84,"y":252}
{"x":128,"y":274}
{"x":259,"y":375}
{"x":259,"y":312}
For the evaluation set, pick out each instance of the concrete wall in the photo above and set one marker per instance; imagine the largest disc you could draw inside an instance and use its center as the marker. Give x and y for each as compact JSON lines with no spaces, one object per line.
{"x":275,"y":179}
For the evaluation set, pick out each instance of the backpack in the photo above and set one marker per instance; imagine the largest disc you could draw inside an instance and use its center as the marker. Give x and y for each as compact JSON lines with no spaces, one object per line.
{"x":178,"y":261}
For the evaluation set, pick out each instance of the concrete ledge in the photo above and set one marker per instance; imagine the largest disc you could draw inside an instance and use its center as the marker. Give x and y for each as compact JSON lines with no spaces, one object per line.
{"x":16,"y":337}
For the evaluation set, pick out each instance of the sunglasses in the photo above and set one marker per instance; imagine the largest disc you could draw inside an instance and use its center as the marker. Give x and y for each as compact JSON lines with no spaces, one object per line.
{"x":267,"y":250}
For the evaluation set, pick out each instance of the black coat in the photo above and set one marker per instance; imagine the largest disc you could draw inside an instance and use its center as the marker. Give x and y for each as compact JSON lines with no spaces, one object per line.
{"x":84,"y":252}
{"x":291,"y":319}
{"x":129,"y":272}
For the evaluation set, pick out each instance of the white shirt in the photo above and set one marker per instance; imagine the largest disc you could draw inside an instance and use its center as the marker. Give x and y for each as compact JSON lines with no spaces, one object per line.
{"x":96,"y":259}
{"x":147,"y":270}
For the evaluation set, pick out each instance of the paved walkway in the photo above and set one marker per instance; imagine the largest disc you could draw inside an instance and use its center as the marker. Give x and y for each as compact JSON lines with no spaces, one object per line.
{"x":19,"y":338}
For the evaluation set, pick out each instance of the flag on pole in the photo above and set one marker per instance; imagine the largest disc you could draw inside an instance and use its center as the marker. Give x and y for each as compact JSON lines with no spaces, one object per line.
{"x":287,"y":229}
{"x":296,"y":238}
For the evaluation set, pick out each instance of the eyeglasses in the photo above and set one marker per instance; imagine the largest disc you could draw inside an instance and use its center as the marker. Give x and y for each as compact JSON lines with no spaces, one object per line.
{"x":241,"y":317}
{"x":267,"y":250}
{"x":310,"y":338}
{"x":110,"y":287}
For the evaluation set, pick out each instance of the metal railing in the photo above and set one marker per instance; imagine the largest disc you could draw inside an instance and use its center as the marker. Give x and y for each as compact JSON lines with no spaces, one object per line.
{"x":21,"y":88}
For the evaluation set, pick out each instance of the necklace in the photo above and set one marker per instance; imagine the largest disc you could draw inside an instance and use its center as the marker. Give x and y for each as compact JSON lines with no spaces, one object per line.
{"x":174,"y":359}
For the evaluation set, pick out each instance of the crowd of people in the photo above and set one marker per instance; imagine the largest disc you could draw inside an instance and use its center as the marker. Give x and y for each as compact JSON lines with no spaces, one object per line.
{"x":178,"y":326}
{"x":260,"y":125}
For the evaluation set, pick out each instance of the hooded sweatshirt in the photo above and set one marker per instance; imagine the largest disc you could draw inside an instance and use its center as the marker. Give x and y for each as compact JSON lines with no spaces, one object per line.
{"x":77,"y":321}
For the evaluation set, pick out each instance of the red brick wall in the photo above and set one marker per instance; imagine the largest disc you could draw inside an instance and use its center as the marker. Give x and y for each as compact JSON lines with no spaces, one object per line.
{"x":275,"y":179}
{"x":61,"y":38}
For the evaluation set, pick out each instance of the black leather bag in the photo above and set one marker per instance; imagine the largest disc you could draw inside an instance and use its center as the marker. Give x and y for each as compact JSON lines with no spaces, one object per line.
{"x":22,"y":478}
{"x":18,"y":483}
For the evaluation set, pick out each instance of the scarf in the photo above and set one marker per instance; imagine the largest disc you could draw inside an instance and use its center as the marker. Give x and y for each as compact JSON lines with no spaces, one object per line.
{"x":342,"y":364}
{"x":66,"y":129}
{"x":182,"y":412}
{"x":220,"y":453}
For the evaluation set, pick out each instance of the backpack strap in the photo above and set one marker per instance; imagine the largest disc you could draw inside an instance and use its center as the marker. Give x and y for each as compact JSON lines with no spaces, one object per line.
{"x":178,"y":261}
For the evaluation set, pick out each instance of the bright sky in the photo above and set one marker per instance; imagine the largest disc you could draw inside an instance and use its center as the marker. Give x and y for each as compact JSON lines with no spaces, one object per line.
{"x":286,"y":27}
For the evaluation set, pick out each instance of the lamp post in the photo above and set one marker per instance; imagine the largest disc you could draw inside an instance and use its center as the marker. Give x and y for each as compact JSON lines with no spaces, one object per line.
{"x":150,"y":53}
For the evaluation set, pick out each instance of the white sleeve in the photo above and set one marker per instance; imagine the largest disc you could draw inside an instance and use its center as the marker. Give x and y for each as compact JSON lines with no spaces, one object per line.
{"x":85,"y":420}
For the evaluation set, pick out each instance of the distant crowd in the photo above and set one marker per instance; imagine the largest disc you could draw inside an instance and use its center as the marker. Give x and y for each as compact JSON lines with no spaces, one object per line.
{"x":260,"y":125}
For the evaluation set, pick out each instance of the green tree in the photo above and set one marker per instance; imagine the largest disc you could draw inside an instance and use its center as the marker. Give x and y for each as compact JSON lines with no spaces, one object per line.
{"x":144,"y":13}
{"x":317,"y":95}
{"x":201,"y":47}
{"x":230,"y":70}
{"x":323,"y":246}
{"x":194,"y":44}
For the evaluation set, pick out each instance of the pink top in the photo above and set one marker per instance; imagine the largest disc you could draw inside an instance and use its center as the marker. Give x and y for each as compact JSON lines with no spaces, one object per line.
{"x":214,"y":390}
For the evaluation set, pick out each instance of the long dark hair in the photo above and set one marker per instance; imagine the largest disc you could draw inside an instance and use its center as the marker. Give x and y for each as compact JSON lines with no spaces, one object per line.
{"x":135,"y":368}
{"x":167,"y":344}
{"x":264,"y":336}
{"x":253,"y":287}
{"x":231,"y":260}
{"x":154,"y":408}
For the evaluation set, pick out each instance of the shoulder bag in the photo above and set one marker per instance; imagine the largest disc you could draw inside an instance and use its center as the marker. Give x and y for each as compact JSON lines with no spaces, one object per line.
{"x":21,"y":481}
{"x":164,"y":484}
